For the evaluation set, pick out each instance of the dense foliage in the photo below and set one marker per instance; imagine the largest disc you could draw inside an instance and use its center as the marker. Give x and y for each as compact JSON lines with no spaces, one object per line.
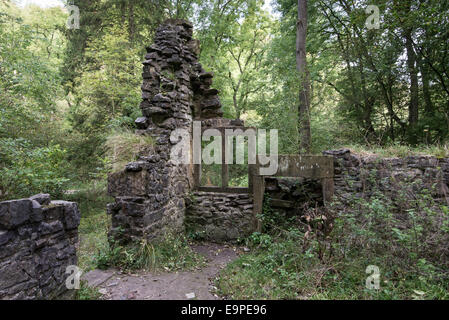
{"x":32,"y":158}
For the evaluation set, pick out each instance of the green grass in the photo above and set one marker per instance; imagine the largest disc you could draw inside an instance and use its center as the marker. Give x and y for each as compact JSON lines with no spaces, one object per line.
{"x":93,"y":238}
{"x":124,"y":146}
{"x":172,"y":253}
{"x":92,"y":199}
{"x":401,"y":151}
{"x":282,"y":270}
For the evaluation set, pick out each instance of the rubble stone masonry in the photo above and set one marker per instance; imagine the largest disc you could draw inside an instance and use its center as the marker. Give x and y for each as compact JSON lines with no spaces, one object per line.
{"x":38,"y":239}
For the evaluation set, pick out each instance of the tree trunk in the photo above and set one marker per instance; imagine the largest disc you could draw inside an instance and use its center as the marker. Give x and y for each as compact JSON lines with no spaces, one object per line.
{"x":304,"y":91}
{"x":131,"y":22}
{"x":370,"y":133}
{"x":425,"y":72}
{"x":426,"y":90}
{"x":404,"y":8}
{"x":236,"y":105}
{"x":414,"y":98}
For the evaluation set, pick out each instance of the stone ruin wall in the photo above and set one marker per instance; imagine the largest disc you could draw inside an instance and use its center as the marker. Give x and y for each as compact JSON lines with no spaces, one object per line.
{"x":150,"y":192}
{"x":38,"y":240}
{"x":220,"y":217}
{"x":353,"y":175}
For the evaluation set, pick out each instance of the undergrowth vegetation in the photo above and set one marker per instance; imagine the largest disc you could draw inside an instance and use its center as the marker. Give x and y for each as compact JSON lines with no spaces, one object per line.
{"x":401,"y":151}
{"x":92,"y":199}
{"x":95,"y":251}
{"x":172,"y":253}
{"x":124,"y":146}
{"x":325,"y":253}
{"x":87,"y":293}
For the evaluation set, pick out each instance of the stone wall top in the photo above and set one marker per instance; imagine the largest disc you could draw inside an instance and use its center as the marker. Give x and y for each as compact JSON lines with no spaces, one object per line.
{"x":351,"y":172}
{"x":38,"y":239}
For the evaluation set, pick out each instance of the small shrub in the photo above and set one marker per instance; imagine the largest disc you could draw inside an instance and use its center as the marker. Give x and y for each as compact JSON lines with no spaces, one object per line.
{"x":87,"y":293}
{"x":26,"y":170}
{"x":272,"y":221}
{"x":403,"y":232}
{"x":124,"y":146}
{"x":259,"y":240}
{"x":195,"y":235}
{"x":169,"y":254}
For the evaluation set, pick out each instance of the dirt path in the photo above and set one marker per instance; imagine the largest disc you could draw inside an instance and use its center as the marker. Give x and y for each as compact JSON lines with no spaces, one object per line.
{"x":115,"y":285}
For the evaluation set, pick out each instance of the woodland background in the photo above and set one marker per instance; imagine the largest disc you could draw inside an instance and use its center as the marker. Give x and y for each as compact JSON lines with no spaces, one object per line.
{"x":65,"y":92}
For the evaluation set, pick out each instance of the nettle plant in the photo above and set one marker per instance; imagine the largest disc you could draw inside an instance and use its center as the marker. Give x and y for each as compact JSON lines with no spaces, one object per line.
{"x":404,"y":227}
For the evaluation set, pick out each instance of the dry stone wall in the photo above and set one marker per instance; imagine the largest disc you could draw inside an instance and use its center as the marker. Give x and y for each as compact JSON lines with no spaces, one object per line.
{"x":358,"y":175}
{"x":219,"y":216}
{"x":297,"y":191}
{"x":38,"y":239}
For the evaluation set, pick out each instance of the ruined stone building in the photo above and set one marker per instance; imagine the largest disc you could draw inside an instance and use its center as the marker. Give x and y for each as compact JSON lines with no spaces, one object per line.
{"x":150,"y":194}
{"x":155,"y":194}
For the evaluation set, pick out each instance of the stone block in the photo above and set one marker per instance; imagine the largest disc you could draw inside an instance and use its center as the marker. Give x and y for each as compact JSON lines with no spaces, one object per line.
{"x":42,"y":198}
{"x":14,"y":213}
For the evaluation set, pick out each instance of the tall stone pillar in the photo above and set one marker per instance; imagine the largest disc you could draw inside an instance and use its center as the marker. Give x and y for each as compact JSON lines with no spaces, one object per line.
{"x":149,"y":193}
